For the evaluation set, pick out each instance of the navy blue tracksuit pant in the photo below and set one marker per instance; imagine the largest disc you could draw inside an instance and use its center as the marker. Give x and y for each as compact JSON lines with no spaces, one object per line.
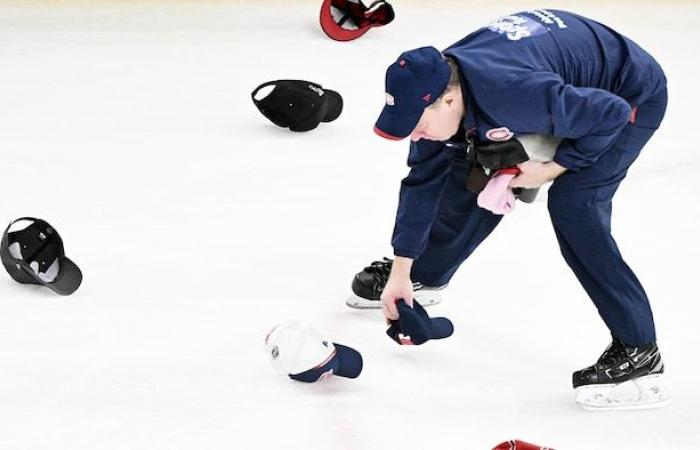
{"x":580,"y":207}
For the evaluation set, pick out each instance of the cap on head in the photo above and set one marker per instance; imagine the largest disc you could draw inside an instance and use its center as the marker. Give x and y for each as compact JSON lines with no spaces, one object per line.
{"x":32,"y":253}
{"x":415,"y":81}
{"x":297,"y":104}
{"x":302,"y":352}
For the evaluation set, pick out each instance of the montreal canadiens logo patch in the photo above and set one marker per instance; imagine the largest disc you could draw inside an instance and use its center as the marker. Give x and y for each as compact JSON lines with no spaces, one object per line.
{"x":499,"y":134}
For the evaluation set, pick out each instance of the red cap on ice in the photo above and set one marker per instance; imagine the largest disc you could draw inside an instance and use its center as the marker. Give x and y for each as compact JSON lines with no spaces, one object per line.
{"x":345,"y":20}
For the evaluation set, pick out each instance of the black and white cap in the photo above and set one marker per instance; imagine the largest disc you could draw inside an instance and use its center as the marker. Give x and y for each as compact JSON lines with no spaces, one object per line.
{"x":297,"y":104}
{"x":32,"y":253}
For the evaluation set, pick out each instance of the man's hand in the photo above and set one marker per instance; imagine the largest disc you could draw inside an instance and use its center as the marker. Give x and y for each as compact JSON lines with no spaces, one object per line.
{"x":535,"y":174}
{"x":399,"y":286}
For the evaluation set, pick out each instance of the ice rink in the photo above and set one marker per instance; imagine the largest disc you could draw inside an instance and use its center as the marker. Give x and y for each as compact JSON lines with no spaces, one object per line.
{"x":199,"y":225}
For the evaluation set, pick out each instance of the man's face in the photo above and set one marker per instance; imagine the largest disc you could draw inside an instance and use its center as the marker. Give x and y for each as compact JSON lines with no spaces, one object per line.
{"x":441,"y":120}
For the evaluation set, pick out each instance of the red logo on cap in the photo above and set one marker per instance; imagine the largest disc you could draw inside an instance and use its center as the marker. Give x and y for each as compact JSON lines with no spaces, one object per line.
{"x":499,"y":134}
{"x":402,"y":62}
{"x":426,"y":97}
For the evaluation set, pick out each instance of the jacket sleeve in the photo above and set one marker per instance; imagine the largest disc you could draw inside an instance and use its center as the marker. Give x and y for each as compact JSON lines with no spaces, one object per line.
{"x":419,"y":197}
{"x":588,"y":119}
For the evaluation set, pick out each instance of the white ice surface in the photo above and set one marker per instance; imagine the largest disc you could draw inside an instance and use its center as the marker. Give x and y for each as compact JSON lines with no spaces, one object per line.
{"x":199,"y":225}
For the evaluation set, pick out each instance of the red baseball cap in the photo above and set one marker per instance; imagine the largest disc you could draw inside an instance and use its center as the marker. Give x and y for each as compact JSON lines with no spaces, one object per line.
{"x":345,"y":20}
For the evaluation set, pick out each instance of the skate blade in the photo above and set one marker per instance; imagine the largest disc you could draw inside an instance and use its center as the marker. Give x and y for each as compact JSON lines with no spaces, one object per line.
{"x":641,"y":393}
{"x":429,"y":298}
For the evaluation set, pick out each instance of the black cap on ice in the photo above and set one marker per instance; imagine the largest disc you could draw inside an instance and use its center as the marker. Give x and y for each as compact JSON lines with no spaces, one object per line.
{"x":297,"y":104}
{"x":33,"y":254}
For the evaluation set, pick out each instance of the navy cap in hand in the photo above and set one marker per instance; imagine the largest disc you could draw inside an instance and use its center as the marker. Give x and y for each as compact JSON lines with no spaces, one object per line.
{"x":415,"y":327}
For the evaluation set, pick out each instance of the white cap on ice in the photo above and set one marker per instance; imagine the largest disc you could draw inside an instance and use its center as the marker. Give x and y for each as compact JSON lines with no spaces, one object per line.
{"x":301,"y":351}
{"x":294,"y":347}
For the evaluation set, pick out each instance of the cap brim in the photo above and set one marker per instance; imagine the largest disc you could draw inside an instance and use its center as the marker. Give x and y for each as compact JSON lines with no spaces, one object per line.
{"x":440,"y":328}
{"x":333,"y":29}
{"x":334,"y":105}
{"x":396,"y":126}
{"x":349,"y":361}
{"x":68,"y":279}
{"x":345,"y":362}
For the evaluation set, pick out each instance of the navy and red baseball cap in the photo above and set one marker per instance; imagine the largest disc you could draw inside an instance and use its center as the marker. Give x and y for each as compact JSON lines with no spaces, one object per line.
{"x":301,"y":351}
{"x":415,"y":81}
{"x":415,"y":327}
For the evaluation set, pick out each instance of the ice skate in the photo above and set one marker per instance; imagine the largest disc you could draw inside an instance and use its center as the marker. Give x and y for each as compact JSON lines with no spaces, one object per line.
{"x":367,"y":287}
{"x":623,"y":378}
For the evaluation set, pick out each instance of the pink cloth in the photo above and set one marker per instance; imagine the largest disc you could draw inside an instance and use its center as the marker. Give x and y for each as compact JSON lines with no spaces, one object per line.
{"x":497,"y":196}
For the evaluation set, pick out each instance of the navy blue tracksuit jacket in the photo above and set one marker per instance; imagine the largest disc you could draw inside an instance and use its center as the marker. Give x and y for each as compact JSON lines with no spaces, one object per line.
{"x":550,"y":72}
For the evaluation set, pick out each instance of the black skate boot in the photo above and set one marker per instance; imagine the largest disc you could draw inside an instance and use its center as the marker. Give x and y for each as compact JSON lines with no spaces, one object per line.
{"x":623,"y":378}
{"x":367,"y":287}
